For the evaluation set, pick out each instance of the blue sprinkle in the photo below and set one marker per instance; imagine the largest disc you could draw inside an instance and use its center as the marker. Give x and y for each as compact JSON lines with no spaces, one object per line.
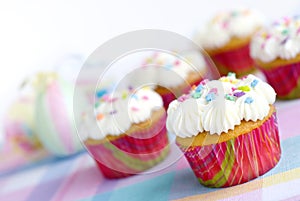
{"x":134,"y":96}
{"x":100,"y":93}
{"x":254,"y":83}
{"x":113,"y":112}
{"x":230,"y":74}
{"x":199,"y":88}
{"x":168,"y":66}
{"x":209,"y":97}
{"x":249,"y":100}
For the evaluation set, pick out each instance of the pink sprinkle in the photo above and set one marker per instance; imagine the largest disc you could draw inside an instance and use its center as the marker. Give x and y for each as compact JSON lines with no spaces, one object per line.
{"x":145,"y":98}
{"x":183,"y":98}
{"x":203,"y":82}
{"x":268,"y":36}
{"x":298,"y":30}
{"x":263,"y":45}
{"x":134,"y":109}
{"x":214,"y":90}
{"x":233,"y":88}
{"x":177,"y":62}
{"x":225,"y":25}
{"x":111,"y":100}
{"x":105,"y":97}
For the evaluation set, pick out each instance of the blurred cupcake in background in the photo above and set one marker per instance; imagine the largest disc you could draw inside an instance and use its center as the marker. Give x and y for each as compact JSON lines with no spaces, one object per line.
{"x":127,"y":135}
{"x":276,"y":51}
{"x":171,"y":74}
{"x":226,"y":39}
{"x":19,"y":124}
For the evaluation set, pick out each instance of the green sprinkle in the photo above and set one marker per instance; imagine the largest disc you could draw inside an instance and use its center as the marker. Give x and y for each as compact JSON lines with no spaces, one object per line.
{"x":284,"y":32}
{"x":97,"y":104}
{"x":229,"y":97}
{"x":244,"y":88}
{"x":196,"y":95}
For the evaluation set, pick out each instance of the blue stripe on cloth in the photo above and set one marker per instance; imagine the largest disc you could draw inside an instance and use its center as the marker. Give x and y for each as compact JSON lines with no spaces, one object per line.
{"x":289,"y":157}
{"x":52,"y":179}
{"x":157,"y":188}
{"x":47,"y":160}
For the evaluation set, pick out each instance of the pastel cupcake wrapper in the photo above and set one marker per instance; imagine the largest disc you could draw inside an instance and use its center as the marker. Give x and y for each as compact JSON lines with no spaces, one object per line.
{"x":237,"y":60}
{"x":127,"y":155}
{"x":237,"y":160}
{"x":285,"y":80}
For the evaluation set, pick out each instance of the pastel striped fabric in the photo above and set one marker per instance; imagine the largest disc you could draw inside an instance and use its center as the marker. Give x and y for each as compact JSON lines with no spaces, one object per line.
{"x":77,"y":177}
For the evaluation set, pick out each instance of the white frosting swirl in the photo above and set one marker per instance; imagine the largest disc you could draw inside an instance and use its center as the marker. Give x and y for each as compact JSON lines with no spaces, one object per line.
{"x":280,"y":40}
{"x":118,"y":111}
{"x":218,"y":106}
{"x":238,"y":23}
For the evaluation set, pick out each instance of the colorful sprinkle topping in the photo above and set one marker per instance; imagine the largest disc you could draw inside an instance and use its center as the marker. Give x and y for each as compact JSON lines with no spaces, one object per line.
{"x":248,"y":100}
{"x":244,"y":88}
{"x":199,"y":88}
{"x":239,"y":94}
{"x":254,"y":83}
{"x":134,"y":109}
{"x":183,"y":98}
{"x":209,"y":97}
{"x":230,"y":97}
{"x":100,"y":93}
{"x":196,"y":95}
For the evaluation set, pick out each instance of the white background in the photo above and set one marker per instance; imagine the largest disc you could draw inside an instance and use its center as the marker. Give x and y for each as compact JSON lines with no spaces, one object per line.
{"x":35,"y":35}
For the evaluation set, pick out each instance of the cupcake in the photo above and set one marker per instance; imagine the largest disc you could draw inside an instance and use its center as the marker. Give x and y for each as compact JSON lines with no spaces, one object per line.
{"x":128,"y":133}
{"x":276,"y":51}
{"x":226,"y":39}
{"x":171,"y":74}
{"x":227,"y":129}
{"x":19,"y":126}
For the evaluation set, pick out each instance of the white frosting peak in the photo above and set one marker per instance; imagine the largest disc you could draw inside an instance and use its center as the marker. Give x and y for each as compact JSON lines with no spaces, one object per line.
{"x":218,"y":106}
{"x":116,"y":112}
{"x":280,"y":40}
{"x":238,"y":23}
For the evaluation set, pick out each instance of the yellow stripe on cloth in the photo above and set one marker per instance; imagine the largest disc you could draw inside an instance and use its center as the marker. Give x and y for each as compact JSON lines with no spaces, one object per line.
{"x":247,"y":187}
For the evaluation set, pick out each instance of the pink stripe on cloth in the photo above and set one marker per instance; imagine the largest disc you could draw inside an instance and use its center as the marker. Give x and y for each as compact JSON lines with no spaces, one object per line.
{"x":83,"y":182}
{"x":288,"y":118}
{"x":59,"y":115}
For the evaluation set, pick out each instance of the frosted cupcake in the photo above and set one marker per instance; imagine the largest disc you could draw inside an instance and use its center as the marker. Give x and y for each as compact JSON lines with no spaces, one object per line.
{"x":130,"y":136}
{"x":227,"y":129}
{"x":171,"y":75}
{"x":226,"y":39}
{"x":276,"y":51}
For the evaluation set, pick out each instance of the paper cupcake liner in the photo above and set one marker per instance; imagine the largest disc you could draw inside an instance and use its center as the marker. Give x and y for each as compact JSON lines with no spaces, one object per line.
{"x":167,"y":98}
{"x":237,"y":60}
{"x":285,"y":80}
{"x":129,"y":155}
{"x":237,"y":160}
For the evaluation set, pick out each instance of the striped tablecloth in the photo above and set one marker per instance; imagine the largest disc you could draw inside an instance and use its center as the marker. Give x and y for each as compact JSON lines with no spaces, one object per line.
{"x":77,"y":178}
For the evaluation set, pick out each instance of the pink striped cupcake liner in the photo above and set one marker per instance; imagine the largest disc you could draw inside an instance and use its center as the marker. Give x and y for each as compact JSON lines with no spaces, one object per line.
{"x":285,"y":80}
{"x":132,"y":154}
{"x":237,"y":160}
{"x":237,"y":60}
